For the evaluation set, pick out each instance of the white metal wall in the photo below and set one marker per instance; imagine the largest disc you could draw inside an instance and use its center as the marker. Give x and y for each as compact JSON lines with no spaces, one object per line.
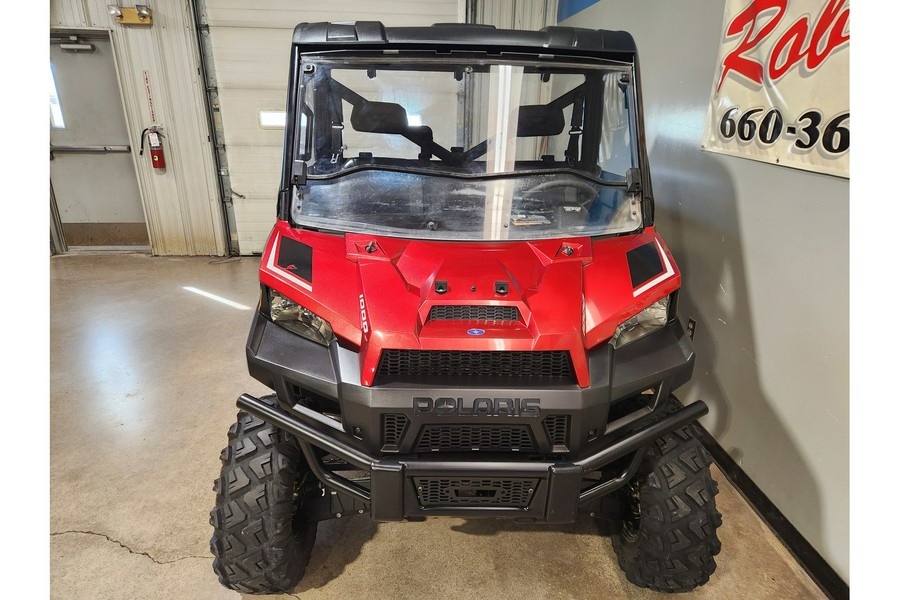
{"x":182,"y":207}
{"x":251,"y":52}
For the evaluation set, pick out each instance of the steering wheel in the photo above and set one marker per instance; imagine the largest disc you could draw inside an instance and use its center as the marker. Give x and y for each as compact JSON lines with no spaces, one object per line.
{"x":576,"y":183}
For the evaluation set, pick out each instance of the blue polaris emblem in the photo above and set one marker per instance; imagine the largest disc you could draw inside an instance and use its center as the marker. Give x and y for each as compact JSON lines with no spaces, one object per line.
{"x":475,"y":332}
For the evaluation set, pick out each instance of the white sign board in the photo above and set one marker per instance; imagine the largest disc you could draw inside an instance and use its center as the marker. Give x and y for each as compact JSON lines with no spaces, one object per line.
{"x":781,"y":89}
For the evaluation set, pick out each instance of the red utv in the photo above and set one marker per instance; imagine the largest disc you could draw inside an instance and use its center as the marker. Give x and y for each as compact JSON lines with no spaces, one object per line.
{"x":465,"y":307}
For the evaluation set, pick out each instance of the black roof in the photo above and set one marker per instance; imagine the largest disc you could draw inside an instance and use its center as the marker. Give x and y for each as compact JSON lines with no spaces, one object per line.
{"x":373,"y":34}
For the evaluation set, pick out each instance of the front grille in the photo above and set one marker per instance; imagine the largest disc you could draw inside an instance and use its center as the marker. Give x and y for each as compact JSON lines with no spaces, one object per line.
{"x":557,"y":428}
{"x":482,"y":313}
{"x":551,"y":366}
{"x":393,"y":426}
{"x":513,"y":492}
{"x":450,"y":438}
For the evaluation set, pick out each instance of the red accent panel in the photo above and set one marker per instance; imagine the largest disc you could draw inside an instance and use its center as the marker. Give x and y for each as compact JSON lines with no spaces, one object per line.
{"x":395,"y":277}
{"x":608,"y":296}
{"x":337,"y":303}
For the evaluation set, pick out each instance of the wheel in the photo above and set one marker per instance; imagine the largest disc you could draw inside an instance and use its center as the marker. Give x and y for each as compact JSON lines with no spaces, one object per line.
{"x":667,"y":540}
{"x":261,"y":540}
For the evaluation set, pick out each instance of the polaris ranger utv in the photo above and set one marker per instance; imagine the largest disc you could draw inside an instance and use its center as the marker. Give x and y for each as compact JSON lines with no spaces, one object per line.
{"x":465,"y":307}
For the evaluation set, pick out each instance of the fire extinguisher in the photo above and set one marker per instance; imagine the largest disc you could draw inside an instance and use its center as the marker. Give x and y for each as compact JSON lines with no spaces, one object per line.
{"x":153,"y":135}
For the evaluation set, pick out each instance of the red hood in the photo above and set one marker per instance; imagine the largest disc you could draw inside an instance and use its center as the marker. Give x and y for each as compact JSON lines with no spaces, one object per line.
{"x":380,"y":299}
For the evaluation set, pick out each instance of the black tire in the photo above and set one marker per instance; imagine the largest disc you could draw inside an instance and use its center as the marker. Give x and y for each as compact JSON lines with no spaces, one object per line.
{"x":261,"y":542}
{"x":669,"y":542}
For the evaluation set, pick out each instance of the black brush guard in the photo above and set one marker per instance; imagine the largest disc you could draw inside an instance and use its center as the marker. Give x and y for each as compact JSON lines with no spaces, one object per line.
{"x":554,"y":493}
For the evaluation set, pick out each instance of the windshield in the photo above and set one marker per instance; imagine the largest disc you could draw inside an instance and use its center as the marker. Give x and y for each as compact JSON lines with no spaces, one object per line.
{"x":465,"y":147}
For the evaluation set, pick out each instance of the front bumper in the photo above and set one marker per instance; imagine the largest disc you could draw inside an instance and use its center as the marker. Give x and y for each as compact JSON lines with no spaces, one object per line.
{"x":311,"y":379}
{"x":544,"y":491}
{"x":543,"y":482}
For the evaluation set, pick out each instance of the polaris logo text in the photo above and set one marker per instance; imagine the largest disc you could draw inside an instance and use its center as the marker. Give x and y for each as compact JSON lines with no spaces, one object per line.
{"x":491,"y":407}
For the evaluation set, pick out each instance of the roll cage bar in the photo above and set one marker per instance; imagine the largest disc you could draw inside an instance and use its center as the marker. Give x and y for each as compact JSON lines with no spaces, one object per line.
{"x":389,"y":118}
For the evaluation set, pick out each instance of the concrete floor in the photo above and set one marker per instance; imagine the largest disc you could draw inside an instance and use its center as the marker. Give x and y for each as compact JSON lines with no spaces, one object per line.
{"x":144,"y":375}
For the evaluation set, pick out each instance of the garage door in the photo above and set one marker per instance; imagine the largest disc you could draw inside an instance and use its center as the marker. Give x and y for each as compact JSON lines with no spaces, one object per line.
{"x":251,"y":52}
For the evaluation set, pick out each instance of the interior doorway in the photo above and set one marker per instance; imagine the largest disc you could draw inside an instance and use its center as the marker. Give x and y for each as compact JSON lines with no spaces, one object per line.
{"x":95,"y":199}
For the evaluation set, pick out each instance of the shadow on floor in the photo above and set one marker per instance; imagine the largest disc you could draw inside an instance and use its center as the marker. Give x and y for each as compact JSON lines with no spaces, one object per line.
{"x":584,"y":524}
{"x":339,"y":542}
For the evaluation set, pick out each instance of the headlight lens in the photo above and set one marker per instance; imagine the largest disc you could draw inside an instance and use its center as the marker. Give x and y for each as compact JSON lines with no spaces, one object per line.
{"x":298,"y":319}
{"x":647,"y":321}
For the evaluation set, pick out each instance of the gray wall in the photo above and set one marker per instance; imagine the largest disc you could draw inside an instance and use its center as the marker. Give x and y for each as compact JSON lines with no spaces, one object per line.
{"x":764,"y":251}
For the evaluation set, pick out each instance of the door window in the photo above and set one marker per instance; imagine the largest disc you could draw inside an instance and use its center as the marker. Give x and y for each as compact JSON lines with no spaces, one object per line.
{"x":56,"y":116}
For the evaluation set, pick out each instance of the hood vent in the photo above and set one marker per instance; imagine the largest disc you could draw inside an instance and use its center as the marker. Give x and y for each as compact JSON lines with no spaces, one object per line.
{"x":482,"y":313}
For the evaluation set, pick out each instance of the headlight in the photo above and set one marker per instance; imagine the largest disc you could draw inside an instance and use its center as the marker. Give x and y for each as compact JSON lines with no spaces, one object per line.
{"x":298,"y":319}
{"x":647,"y":321}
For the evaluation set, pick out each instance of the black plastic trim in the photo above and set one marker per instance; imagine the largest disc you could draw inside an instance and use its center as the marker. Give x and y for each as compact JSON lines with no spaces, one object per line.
{"x":644,"y":263}
{"x":555,"y":497}
{"x":453,"y":35}
{"x":296,"y":257}
{"x":285,"y":362}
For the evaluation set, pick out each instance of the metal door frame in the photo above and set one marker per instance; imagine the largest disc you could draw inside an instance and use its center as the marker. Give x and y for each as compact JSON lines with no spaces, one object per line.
{"x":98,"y":33}
{"x":58,"y":243}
